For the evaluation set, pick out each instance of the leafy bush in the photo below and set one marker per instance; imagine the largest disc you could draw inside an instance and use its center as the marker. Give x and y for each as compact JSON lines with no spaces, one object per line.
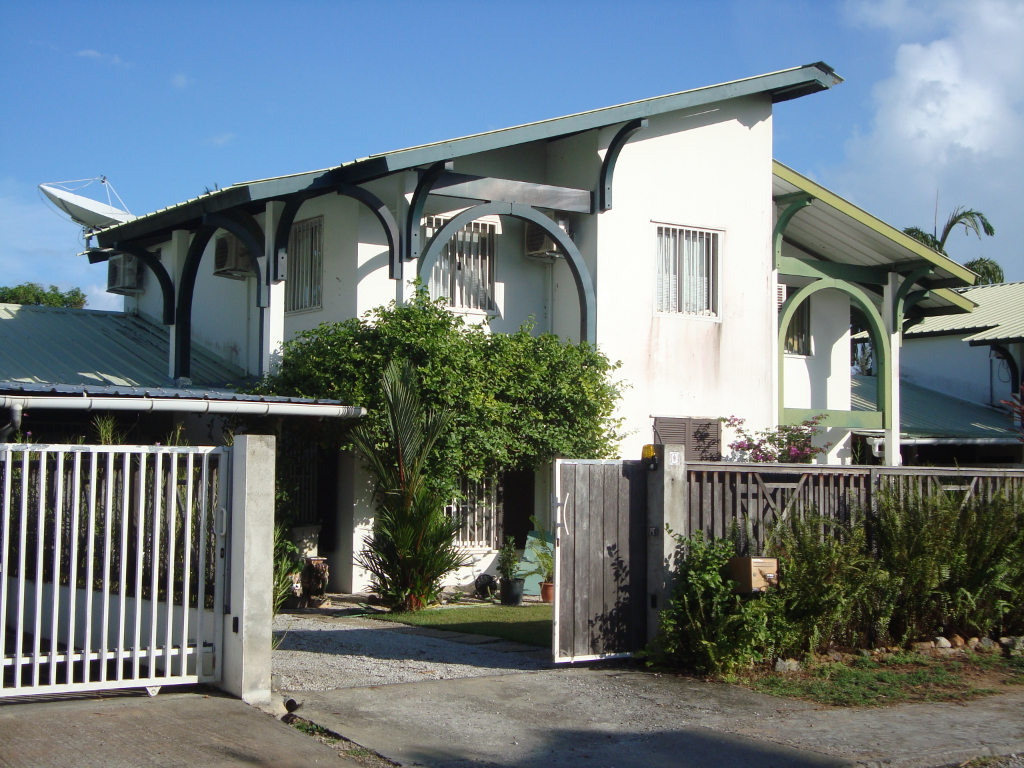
{"x":286,"y":562}
{"x":915,"y":567}
{"x":412,"y":546}
{"x":515,"y":400}
{"x":707,"y":626}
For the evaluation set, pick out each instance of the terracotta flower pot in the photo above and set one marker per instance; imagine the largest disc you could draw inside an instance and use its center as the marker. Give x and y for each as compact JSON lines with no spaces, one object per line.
{"x":547,"y":591}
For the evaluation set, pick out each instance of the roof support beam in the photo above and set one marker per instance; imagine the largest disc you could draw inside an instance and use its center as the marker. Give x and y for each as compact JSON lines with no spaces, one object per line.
{"x":150,"y":260}
{"x":788,"y":265}
{"x":899,"y":299}
{"x":611,"y":156}
{"x":186,"y":288}
{"x":794,"y":203}
{"x":578,"y":267}
{"x":245,"y":228}
{"x":490,"y":190}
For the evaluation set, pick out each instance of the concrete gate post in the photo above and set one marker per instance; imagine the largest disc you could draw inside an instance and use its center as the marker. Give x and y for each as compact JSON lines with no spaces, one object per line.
{"x":247,"y":629}
{"x":666,"y":508}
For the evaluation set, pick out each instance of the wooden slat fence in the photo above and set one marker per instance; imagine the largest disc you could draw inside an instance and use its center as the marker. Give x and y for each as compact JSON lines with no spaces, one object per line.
{"x":753,"y":496}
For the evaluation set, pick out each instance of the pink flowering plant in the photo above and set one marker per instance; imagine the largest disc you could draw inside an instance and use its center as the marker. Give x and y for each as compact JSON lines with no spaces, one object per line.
{"x":786,"y":444}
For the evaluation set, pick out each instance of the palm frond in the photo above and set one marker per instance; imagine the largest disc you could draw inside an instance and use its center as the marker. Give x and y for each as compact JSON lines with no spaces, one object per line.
{"x":970,"y":219}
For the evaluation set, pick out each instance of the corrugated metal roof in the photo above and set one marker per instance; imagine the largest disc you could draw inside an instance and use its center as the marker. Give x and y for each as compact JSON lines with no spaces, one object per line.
{"x":999,"y":316}
{"x":782,"y":85}
{"x":839,"y":231}
{"x":927,"y":413}
{"x":201,"y":393}
{"x":50,"y":345}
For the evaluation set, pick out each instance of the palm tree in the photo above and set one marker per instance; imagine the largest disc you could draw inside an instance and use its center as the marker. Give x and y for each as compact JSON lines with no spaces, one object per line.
{"x":412,"y":546}
{"x":988,"y":270}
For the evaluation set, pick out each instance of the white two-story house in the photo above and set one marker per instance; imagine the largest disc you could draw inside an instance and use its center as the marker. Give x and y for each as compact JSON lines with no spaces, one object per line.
{"x":660,"y":230}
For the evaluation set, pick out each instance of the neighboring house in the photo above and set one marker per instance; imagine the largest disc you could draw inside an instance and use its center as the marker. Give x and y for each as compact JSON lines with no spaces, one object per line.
{"x":681,"y":280}
{"x":978,"y":358}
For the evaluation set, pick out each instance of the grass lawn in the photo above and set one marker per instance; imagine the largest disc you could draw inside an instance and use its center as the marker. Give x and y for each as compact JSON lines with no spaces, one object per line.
{"x":529,"y":624}
{"x":902,"y":677}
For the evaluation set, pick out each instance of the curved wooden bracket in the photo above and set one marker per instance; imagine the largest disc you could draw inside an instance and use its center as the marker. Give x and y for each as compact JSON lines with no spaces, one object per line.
{"x":236,"y":223}
{"x":413,"y":234}
{"x":186,"y":288}
{"x":794,"y":204}
{"x":157,"y":268}
{"x":611,"y":156}
{"x":578,"y":267}
{"x":387,"y":221}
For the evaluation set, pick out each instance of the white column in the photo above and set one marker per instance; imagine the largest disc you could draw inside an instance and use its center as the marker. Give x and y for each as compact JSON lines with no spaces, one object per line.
{"x":247,"y":630}
{"x":666,"y":506}
{"x":174,"y":261}
{"x":273,"y":316}
{"x":892,"y":373}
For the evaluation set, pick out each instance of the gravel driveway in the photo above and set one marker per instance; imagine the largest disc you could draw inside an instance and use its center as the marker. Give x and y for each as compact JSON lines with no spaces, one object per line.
{"x":321,"y":653}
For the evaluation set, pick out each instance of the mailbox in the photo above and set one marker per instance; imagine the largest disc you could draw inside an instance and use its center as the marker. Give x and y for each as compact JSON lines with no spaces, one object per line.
{"x":754,"y":574}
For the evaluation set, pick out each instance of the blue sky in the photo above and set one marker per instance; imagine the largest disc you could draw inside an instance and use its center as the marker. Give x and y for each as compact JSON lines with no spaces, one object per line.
{"x":169,"y":98}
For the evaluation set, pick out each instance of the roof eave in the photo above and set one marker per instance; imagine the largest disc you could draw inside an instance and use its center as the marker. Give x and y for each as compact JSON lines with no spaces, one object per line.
{"x":888,"y":231}
{"x":783,"y":85}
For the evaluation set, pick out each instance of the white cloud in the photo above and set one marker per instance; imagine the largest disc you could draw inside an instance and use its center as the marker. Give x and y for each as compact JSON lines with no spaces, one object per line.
{"x":949,"y":118}
{"x":39,"y":245}
{"x":221,"y":140}
{"x":110,"y":58}
{"x":180,"y":80}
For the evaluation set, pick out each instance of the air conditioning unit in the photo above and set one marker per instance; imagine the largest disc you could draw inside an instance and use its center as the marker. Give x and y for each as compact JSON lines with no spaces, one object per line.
{"x":124,"y":275}
{"x":539,"y":244}
{"x":231,"y":258}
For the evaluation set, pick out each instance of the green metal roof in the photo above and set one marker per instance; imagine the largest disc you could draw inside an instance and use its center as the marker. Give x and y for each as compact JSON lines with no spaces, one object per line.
{"x":50,"y":345}
{"x":998,"y":318}
{"x":780,"y":86}
{"x":927,"y":413}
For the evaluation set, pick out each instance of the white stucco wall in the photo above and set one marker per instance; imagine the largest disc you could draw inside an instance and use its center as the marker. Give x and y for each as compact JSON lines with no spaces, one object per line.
{"x":712,"y":171}
{"x":948,"y":364}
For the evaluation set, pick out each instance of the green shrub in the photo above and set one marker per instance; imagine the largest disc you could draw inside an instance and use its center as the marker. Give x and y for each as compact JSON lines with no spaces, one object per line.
{"x":286,"y":562}
{"x":707,"y":627}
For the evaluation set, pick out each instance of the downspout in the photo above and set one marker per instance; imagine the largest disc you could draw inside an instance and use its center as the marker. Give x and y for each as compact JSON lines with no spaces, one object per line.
{"x":15,"y":423}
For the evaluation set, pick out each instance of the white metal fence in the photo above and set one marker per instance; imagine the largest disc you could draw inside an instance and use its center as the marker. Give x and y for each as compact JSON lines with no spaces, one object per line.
{"x":480,"y":509}
{"x":111,"y":566}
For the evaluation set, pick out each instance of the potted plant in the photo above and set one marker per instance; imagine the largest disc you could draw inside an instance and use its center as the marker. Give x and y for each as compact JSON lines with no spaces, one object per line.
{"x":511,"y":585}
{"x":545,"y":569}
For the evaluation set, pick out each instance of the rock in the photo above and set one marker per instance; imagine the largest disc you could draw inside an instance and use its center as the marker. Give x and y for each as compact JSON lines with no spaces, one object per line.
{"x":1015,"y":647}
{"x":788,"y":665}
{"x":1005,"y":641}
{"x":925,"y":645}
{"x":941,"y":642}
{"x":973,"y":643}
{"x":957,"y":642}
{"x":865,"y":653}
{"x":835,"y":656}
{"x":985,"y":644}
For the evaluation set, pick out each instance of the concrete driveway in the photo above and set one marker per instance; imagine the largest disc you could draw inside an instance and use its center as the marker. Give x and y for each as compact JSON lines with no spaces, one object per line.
{"x":618,"y":716}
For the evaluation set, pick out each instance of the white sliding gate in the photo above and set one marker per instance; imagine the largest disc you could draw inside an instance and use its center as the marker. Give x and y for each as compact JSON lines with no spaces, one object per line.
{"x":111,"y":566}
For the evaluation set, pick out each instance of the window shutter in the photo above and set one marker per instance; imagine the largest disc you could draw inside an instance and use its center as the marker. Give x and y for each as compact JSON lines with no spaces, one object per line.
{"x":702,"y":438}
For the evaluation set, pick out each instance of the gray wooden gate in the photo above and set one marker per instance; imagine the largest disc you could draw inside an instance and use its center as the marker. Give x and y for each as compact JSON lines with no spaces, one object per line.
{"x":600,"y":559}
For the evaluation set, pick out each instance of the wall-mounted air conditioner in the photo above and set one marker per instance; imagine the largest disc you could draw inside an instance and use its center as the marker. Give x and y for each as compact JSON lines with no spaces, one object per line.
{"x":124,"y":275}
{"x":231,"y":258}
{"x":539,"y":244}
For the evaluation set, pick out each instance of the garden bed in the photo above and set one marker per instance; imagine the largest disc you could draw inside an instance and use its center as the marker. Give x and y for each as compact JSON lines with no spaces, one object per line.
{"x":893,"y":678}
{"x":528,"y":624}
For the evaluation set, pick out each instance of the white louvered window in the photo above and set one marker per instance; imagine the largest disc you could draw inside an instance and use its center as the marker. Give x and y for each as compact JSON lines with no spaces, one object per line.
{"x":464,"y":272}
{"x":304,"y":283}
{"x":687,"y":271}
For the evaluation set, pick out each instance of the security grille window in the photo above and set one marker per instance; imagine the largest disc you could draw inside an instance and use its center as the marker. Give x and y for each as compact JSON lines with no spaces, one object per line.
{"x":701,"y":438}
{"x":479,"y":508}
{"x":304,"y":284}
{"x":687,"y":271}
{"x":798,"y":335}
{"x":464,"y":272}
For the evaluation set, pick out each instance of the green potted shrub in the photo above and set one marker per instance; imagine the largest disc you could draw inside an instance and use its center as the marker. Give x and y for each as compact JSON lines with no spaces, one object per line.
{"x":545,"y":564}
{"x":510,"y":584}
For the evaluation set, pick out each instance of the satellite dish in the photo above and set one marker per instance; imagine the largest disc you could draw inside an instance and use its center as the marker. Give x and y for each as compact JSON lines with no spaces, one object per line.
{"x":91,"y":214}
